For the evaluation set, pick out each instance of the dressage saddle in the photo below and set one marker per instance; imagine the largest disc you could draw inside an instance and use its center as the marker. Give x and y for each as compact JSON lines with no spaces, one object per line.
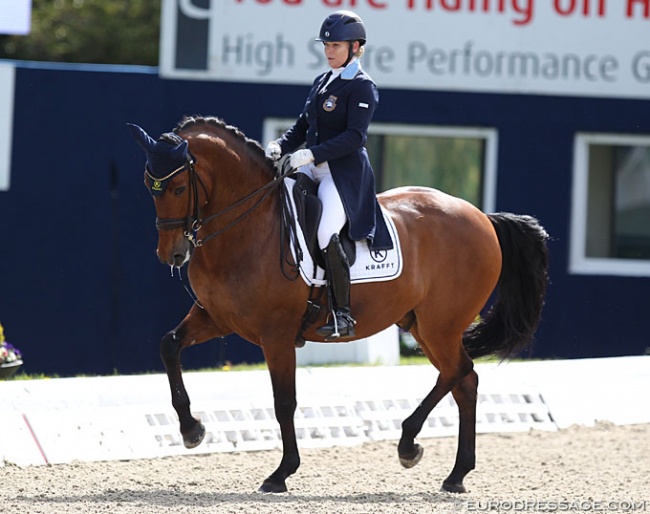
{"x":309,"y":211}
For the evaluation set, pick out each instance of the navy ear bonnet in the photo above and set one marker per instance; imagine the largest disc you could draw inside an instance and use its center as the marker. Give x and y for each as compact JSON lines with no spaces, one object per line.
{"x":165,"y":157}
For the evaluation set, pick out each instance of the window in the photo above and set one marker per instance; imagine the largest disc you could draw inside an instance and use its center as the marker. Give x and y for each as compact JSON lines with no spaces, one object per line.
{"x":611,"y":205}
{"x":458,"y":161}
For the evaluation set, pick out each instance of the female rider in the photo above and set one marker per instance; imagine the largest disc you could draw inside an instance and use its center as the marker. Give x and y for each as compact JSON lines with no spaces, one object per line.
{"x":333,"y":126}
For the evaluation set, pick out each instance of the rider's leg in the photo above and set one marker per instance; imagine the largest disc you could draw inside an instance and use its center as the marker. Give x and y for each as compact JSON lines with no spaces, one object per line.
{"x":333,"y":218}
{"x":341,"y":323}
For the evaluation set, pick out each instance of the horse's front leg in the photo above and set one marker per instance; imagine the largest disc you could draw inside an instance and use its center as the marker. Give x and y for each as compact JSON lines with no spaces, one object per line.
{"x":282,"y":366}
{"x":195,"y":328}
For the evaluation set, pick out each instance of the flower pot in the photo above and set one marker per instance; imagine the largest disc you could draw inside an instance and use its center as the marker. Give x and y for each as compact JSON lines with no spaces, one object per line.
{"x":8,"y":370}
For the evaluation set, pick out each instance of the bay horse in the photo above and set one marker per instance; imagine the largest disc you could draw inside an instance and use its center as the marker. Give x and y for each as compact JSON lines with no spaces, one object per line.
{"x":219,"y":212}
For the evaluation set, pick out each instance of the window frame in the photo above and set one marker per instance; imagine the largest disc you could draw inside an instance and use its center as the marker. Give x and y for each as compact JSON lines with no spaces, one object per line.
{"x":490,"y":135}
{"x":579,"y":262}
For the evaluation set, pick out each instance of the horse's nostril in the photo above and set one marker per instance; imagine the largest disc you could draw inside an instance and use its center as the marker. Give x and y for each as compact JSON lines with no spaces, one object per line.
{"x":179,"y":259}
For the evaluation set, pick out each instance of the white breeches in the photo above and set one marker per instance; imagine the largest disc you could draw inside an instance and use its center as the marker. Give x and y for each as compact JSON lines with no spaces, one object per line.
{"x":333,"y":218}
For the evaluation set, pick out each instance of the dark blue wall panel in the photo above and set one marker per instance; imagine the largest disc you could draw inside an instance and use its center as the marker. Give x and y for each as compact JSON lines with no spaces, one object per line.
{"x":81,"y":290}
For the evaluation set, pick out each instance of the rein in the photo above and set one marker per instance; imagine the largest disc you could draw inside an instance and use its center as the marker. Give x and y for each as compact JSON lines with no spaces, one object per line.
{"x":193,"y":222}
{"x":266,"y":189}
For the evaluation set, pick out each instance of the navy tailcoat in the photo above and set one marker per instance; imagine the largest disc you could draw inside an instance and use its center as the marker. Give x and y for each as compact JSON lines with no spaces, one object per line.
{"x":334,"y":126}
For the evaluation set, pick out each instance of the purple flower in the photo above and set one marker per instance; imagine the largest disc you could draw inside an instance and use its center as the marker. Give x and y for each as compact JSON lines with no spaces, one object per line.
{"x":9,"y":353}
{"x":16,"y":351}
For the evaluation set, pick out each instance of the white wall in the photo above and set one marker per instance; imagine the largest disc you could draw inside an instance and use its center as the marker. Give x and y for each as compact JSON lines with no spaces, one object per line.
{"x":7,"y":79}
{"x":382,"y":348}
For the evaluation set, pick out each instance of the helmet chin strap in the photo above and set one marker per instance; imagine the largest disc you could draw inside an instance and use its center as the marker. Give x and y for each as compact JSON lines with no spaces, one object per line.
{"x":350,"y":53}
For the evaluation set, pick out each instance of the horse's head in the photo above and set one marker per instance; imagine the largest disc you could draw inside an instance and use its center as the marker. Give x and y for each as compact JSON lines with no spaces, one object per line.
{"x":170,"y":177}
{"x":184,"y":185}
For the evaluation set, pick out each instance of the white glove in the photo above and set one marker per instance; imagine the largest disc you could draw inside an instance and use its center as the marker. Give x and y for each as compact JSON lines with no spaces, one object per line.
{"x":300,"y":158}
{"x":273,"y":151}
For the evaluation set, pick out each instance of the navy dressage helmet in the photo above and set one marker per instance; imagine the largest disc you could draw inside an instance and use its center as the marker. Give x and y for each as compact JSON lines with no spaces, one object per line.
{"x":342,"y":26}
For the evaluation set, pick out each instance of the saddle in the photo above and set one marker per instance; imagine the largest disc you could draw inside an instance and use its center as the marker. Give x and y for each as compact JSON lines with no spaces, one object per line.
{"x":309,"y":211}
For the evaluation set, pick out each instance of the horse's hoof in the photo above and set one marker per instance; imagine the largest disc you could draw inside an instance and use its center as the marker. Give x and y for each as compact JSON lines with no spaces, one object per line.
{"x":271,"y":486}
{"x":408,"y":461}
{"x":195,"y":436}
{"x":453,"y":487}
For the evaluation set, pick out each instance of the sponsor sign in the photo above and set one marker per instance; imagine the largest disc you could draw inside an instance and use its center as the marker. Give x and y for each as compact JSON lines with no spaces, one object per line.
{"x":561,"y":47}
{"x":15,"y":16}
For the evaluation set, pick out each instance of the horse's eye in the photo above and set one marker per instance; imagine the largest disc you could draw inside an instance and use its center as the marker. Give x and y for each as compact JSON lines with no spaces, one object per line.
{"x":179,"y":190}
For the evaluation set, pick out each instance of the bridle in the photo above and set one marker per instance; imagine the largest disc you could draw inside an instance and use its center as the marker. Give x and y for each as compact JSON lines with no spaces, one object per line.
{"x":193,"y":222}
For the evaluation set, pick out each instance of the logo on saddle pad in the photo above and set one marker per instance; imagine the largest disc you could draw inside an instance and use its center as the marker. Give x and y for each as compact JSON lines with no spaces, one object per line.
{"x":378,"y":255}
{"x":382,"y":263}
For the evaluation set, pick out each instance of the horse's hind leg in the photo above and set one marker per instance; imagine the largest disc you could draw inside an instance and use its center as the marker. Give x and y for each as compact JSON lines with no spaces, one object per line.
{"x":195,"y":328}
{"x":465,"y":394}
{"x":408,"y":450}
{"x":454,"y":366}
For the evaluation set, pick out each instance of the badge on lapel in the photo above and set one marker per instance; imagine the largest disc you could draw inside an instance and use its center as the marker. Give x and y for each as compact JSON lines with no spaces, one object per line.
{"x":330,"y":104}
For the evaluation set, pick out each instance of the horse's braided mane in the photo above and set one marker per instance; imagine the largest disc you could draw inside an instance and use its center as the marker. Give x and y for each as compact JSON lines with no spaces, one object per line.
{"x":251,"y":144}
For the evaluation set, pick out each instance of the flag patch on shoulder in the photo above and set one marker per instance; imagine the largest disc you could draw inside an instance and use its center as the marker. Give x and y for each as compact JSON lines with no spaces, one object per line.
{"x":364,"y":105}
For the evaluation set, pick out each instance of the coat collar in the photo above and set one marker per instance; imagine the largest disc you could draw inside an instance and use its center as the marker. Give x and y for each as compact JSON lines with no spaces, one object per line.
{"x":351,"y":70}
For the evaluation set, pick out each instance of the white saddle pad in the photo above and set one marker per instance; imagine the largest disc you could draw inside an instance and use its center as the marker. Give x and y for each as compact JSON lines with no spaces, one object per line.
{"x":370,"y":266}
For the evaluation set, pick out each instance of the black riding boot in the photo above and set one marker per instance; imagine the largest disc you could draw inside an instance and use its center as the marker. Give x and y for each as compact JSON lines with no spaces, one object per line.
{"x":341,"y":323}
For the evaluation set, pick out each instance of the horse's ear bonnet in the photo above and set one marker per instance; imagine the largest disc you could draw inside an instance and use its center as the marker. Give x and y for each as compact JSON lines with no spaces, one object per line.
{"x":163,"y":158}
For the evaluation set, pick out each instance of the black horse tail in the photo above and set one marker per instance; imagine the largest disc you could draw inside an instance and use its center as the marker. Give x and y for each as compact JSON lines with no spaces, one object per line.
{"x":509,"y":325}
